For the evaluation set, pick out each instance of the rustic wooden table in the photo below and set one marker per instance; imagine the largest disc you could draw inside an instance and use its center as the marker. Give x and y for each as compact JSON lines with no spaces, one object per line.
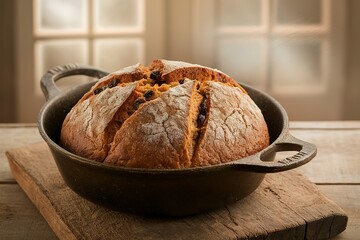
{"x":335,"y":169}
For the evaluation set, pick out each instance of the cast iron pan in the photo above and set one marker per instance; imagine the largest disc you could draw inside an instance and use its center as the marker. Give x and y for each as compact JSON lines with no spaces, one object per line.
{"x":169,"y":192}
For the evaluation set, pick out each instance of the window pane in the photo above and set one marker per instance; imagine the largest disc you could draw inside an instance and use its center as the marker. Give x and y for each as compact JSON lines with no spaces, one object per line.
{"x":238,"y":12}
{"x":60,"y":16}
{"x":114,"y":54}
{"x":52,"y":53}
{"x":243,"y":59}
{"x":118,"y":15}
{"x":294,"y":12}
{"x":296,"y":63}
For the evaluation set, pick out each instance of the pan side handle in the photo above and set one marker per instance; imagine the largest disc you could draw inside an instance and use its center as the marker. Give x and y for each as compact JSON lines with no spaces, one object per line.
{"x":263,"y":161}
{"x":49,"y":79}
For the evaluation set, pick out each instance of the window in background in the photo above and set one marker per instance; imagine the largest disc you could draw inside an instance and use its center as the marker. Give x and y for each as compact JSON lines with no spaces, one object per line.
{"x":294,"y":50}
{"x":278,"y":45}
{"x":291,"y":49}
{"x":108,"y":34}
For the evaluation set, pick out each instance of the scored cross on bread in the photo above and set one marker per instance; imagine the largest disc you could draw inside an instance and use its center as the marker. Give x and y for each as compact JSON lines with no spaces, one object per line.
{"x":168,"y":115}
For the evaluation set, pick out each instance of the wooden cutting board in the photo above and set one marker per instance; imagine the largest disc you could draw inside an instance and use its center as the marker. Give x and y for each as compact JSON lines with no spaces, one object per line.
{"x":285,"y":206}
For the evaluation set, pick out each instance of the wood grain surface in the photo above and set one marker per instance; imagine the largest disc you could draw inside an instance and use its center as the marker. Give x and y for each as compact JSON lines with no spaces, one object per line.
{"x":338,"y":177}
{"x":348,"y":197}
{"x":285,"y":206}
{"x":12,"y":136}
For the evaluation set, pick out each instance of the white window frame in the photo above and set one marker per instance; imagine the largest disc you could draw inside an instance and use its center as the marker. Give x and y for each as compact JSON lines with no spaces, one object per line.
{"x":332,"y":35}
{"x":90,"y":33}
{"x":29,"y":101}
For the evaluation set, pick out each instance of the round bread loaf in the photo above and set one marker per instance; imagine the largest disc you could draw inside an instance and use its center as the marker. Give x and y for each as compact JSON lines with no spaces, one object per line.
{"x":168,"y":115}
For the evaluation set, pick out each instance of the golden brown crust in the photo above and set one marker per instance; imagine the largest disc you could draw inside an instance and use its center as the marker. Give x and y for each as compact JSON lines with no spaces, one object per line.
{"x":175,"y":70}
{"x":178,"y":115}
{"x":85,"y":125}
{"x":235,"y":127}
{"x":156,"y":135}
{"x":126,"y":75}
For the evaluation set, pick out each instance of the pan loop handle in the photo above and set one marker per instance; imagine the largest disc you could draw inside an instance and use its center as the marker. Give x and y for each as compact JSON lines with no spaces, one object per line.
{"x":47,"y":82}
{"x":263,"y":161}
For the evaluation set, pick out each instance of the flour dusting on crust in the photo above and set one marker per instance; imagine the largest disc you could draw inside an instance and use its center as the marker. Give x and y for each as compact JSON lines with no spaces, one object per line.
{"x":161,"y":125}
{"x":235,"y":127}
{"x":168,"y":115}
{"x":84,"y":127}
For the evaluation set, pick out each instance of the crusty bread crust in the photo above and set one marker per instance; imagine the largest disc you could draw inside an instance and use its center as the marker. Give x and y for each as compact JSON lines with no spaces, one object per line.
{"x":235,"y":127}
{"x":156,"y":135}
{"x":84,"y":128}
{"x":203,"y":117}
{"x":174,"y":70}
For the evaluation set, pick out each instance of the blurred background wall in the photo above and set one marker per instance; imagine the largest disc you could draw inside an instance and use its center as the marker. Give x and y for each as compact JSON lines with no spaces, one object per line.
{"x":351,"y":105}
{"x":304,"y":53}
{"x":7,"y":61}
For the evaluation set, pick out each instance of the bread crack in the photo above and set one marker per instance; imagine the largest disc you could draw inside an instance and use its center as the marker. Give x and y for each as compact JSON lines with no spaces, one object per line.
{"x":201,"y":116}
{"x":146,"y":91}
